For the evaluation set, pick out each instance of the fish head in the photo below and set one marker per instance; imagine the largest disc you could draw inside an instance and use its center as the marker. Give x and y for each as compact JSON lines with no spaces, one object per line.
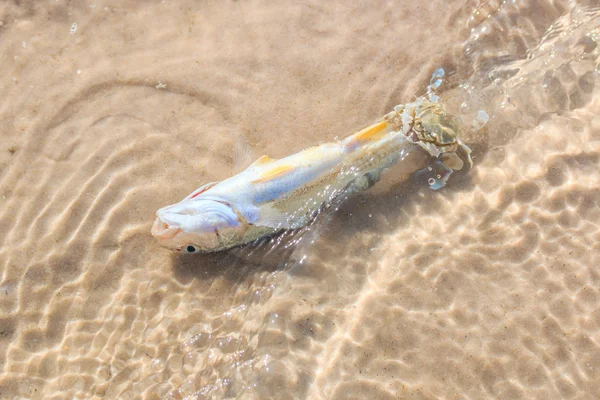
{"x":195,"y":225}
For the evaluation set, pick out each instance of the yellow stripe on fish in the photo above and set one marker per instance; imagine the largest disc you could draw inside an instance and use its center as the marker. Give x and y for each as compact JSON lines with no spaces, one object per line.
{"x":275,"y":172}
{"x":368,"y":134}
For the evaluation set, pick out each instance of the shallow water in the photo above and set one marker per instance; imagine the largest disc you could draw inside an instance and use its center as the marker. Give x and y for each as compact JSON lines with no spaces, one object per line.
{"x":488,"y":288}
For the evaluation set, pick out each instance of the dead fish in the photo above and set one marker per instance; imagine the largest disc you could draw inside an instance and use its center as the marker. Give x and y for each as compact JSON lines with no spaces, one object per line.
{"x":271,"y":195}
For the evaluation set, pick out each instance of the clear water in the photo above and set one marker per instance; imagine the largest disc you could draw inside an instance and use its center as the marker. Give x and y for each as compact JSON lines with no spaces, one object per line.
{"x":488,"y":288}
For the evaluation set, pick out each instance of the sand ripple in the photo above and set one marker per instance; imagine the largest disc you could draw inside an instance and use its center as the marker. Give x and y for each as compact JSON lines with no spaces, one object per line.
{"x":487,"y":289}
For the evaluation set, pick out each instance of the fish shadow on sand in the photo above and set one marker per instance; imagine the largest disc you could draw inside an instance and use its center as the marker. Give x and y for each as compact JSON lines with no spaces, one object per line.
{"x":359,"y":213}
{"x":264,"y":255}
{"x":385,"y":212}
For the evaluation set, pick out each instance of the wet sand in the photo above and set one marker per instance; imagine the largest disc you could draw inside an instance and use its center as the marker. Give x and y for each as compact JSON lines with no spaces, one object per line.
{"x":486,"y":289}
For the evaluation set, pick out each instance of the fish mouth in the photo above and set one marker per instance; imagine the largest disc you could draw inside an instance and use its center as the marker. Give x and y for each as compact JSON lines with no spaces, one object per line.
{"x":163,"y":231}
{"x":205,"y":225}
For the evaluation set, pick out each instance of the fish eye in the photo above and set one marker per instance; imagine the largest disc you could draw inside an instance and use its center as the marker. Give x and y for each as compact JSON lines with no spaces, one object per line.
{"x":190,"y":249}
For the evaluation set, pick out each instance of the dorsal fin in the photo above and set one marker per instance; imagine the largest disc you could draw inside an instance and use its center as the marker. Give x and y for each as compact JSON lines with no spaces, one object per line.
{"x":262,"y":161}
{"x":242,"y":154}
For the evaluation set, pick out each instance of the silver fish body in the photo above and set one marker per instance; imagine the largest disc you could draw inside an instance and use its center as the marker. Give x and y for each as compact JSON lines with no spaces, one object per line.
{"x":271,"y":195}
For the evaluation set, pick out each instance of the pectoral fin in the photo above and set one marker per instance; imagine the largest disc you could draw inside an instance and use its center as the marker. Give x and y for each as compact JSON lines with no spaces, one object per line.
{"x":275,"y":218}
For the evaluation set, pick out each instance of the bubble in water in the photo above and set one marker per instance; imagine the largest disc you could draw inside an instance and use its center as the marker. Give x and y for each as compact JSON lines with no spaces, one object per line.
{"x":431,"y":181}
{"x":437,"y":78}
{"x":158,"y":364}
{"x":438,"y":74}
{"x":480,"y":120}
{"x":73,"y":28}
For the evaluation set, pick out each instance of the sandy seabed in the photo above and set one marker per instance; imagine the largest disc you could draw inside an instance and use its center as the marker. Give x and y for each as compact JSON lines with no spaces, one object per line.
{"x":487,"y":289}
